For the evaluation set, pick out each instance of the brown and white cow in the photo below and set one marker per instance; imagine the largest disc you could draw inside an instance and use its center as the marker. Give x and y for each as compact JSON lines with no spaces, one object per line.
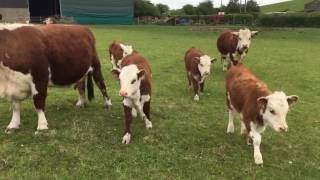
{"x":257,"y":106}
{"x":198,"y":67}
{"x":135,"y":88}
{"x":233,"y":46}
{"x":118,"y":51}
{"x":32,"y":57}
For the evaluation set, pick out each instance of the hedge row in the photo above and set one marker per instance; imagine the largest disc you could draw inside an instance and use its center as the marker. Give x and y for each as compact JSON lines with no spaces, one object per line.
{"x":246,"y":19}
{"x":290,"y":20}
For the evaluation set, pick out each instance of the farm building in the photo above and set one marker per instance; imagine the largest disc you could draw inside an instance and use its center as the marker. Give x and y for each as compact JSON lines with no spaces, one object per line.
{"x":82,"y":11}
{"x":312,"y":6}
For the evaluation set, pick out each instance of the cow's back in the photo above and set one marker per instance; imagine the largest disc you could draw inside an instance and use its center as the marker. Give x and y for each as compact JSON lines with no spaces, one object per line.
{"x":71,"y":50}
{"x":190,"y":59}
{"x":23,"y":49}
{"x":227,"y":42}
{"x":243,"y":87}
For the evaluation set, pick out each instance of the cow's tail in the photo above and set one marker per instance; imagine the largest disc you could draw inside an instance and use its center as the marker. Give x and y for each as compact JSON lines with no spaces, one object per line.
{"x":90,"y":87}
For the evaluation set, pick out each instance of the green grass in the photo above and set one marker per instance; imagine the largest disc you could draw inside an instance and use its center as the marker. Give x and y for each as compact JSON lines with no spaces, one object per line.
{"x":188,"y":140}
{"x":294,"y":5}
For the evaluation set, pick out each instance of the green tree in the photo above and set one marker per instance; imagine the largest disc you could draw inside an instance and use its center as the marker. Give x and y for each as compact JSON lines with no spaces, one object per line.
{"x":206,"y":7}
{"x":163,"y":9}
{"x":252,"y":6}
{"x":233,"y":6}
{"x":145,"y":8}
{"x":188,"y":9}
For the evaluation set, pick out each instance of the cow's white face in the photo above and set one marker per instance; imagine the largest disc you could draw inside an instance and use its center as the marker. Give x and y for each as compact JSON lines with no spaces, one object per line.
{"x":244,"y":38}
{"x":275,"y":108}
{"x":127,"y":49}
{"x":130,"y":80}
{"x":204,"y":65}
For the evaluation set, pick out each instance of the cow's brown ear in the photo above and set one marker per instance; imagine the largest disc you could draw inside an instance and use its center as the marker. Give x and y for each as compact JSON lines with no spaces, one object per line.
{"x":197,"y":59}
{"x":116,"y":73}
{"x":213,"y":60}
{"x":140,"y":74}
{"x":292,"y":99}
{"x":254,"y":33}
{"x":262,"y":102}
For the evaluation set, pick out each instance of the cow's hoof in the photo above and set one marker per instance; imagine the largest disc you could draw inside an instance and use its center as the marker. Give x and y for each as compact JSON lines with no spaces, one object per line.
{"x":107,"y":103}
{"x":258,"y":159}
{"x":10,"y":130}
{"x":134,"y":112}
{"x":81,"y":104}
{"x":230,"y":129}
{"x":41,"y":132}
{"x":196,"y":98}
{"x":148,"y":124}
{"x":126,"y":138}
{"x":249,"y":141}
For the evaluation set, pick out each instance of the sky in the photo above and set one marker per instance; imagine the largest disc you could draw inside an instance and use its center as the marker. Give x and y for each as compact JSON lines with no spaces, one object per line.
{"x":177,"y":4}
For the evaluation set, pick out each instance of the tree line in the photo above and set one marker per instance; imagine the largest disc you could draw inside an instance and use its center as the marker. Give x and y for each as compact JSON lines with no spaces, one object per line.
{"x":147,"y":8}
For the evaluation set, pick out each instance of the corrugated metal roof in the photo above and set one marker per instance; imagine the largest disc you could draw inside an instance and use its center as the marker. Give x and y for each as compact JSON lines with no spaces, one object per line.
{"x":13,"y":3}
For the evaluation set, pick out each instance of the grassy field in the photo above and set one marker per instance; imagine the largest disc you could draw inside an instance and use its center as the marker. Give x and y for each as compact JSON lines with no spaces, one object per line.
{"x":294,"y":5}
{"x":188,"y":140}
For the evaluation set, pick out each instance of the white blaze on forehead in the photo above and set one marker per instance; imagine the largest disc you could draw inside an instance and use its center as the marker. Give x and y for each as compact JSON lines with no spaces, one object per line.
{"x":205,"y":64}
{"x":244,"y":36}
{"x":12,"y":27}
{"x":276,"y":111}
{"x":278,"y":100}
{"x":127,"y":50}
{"x":129,"y":81}
{"x":128,"y":72}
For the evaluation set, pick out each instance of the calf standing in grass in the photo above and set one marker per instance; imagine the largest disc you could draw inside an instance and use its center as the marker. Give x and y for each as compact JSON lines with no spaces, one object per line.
{"x":135,"y":82}
{"x":257,"y":105}
{"x":198,"y":66}
{"x":233,"y":46}
{"x":118,"y":51}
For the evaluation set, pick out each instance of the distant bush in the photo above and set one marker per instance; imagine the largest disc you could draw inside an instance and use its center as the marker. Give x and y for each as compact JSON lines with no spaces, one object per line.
{"x":290,"y":20}
{"x":246,"y":19}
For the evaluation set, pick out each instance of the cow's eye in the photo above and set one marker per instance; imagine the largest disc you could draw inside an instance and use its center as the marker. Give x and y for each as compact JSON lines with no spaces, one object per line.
{"x":133,"y":81}
{"x":272,"y":111}
{"x":201,"y":64}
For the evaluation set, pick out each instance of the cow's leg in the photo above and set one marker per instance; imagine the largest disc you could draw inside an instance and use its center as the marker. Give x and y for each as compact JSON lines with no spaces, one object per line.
{"x":201,"y":87}
{"x":134,"y":112}
{"x":39,"y":101}
{"x":146,"y":110}
{"x":15,"y":120}
{"x":139,"y":105}
{"x":189,"y":79}
{"x":196,"y":89}
{"x":98,"y":78}
{"x":81,"y":86}
{"x":224,"y":60}
{"x":232,"y":115}
{"x":127,"y":107}
{"x":243,"y":129}
{"x":256,"y":140}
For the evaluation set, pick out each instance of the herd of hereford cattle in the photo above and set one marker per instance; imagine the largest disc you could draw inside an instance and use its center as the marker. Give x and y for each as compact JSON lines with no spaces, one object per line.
{"x":35,"y":57}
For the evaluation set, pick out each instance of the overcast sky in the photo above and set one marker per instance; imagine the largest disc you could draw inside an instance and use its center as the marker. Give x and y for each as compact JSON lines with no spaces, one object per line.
{"x":177,"y":4}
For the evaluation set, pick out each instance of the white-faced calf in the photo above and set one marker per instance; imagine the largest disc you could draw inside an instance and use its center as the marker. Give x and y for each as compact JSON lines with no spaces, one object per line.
{"x":198,"y":66}
{"x":135,"y":88}
{"x":257,"y":106}
{"x":233,"y":46}
{"x":118,"y":51}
